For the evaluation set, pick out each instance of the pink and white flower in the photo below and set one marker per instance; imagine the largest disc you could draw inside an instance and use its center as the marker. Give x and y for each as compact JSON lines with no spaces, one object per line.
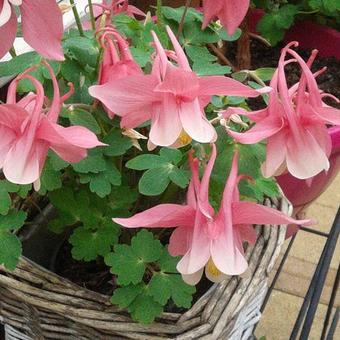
{"x":28,"y":130}
{"x":207,"y":239}
{"x":173,"y":97}
{"x":42,"y":26}
{"x":294,"y":123}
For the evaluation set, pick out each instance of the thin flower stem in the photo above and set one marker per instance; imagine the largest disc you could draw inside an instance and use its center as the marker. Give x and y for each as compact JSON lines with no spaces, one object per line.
{"x":93,"y":19}
{"x":159,"y":14}
{"x":181,"y":25}
{"x":12,"y":52}
{"x":223,"y":58}
{"x":77,"y":18}
{"x":256,"y":78}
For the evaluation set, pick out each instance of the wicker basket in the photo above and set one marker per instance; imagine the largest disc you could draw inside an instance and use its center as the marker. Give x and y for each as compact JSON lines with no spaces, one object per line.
{"x":38,"y":304}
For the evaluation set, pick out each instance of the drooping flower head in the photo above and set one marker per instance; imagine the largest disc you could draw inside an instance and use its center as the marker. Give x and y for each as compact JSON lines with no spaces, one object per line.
{"x":229,"y":12}
{"x":295,"y":122}
{"x":42,"y":26}
{"x":173,"y":97}
{"x":117,"y":61}
{"x":28,"y":129}
{"x":204,"y":238}
{"x":112,"y":8}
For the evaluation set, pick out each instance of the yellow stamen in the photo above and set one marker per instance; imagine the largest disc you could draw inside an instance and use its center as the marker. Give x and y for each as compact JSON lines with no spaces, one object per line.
{"x":212,"y":269}
{"x":184,"y":138}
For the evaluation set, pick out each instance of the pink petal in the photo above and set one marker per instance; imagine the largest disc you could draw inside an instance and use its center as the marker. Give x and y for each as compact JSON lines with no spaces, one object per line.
{"x":224,"y":86}
{"x":210,"y":9}
{"x":12,"y":116}
{"x":252,"y":213}
{"x":179,"y":241}
{"x":166,"y":126}
{"x":134,"y":119}
{"x":255,"y":116}
{"x":329,"y":114}
{"x":42,"y":27}
{"x":7,"y":138}
{"x":276,"y":154}
{"x":193,"y":279}
{"x":195,"y":124}
{"x":247,"y":233}
{"x":129,"y":94}
{"x":21,"y":165}
{"x":7,"y":34}
{"x":233,"y":13}
{"x":227,"y":253}
{"x":305,"y":157}
{"x":160,"y":216}
{"x":262,"y":130}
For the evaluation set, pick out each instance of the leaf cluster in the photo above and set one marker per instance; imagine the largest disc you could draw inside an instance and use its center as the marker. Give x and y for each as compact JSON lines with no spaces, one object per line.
{"x":147,"y":277}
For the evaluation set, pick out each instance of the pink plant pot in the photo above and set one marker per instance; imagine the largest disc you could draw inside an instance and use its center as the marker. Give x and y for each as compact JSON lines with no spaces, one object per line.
{"x":309,"y":34}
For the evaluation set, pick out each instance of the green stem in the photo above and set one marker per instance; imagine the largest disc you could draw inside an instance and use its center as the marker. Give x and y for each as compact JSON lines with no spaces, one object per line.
{"x":181,"y":24}
{"x":77,"y":18}
{"x":12,"y":52}
{"x":93,"y":20}
{"x":310,"y":12}
{"x":159,"y":14}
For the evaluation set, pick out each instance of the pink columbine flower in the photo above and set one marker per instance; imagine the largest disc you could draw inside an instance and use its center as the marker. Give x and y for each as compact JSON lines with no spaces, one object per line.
{"x":173,"y":97}
{"x":113,"y":8}
{"x":42,"y":26}
{"x":302,"y":193}
{"x":28,"y":130}
{"x":295,"y":123}
{"x":207,"y":239}
{"x":117,"y":62}
{"x":229,"y":12}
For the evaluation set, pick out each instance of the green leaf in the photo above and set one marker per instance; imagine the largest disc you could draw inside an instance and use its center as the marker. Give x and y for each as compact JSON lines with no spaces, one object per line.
{"x":83,"y":49}
{"x":101,"y":183}
{"x":146,"y":247}
{"x":50,"y":178}
{"x":147,"y":161}
{"x":215,"y":69}
{"x":117,"y":144}
{"x":84,"y":118}
{"x":265,"y":73}
{"x":226,"y":37}
{"x":5,"y":201}
{"x":10,"y":250}
{"x":88,"y":244}
{"x":180,"y":177}
{"x":126,"y":265}
{"x":155,"y":181}
{"x":12,"y":221}
{"x":19,"y":64}
{"x":94,"y":162}
{"x":176,"y":14}
{"x":124,"y":296}
{"x":171,"y":155}
{"x":145,"y":309}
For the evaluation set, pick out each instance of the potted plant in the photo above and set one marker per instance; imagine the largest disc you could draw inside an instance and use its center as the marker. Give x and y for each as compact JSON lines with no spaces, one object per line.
{"x":129,"y":122}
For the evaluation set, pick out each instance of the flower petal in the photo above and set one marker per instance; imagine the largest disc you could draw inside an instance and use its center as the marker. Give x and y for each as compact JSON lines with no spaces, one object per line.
{"x":218,"y":85}
{"x":129,"y":94}
{"x":195,"y":124}
{"x":160,"y":216}
{"x":252,"y":213}
{"x":7,"y":34}
{"x":42,"y":27}
{"x":179,"y":241}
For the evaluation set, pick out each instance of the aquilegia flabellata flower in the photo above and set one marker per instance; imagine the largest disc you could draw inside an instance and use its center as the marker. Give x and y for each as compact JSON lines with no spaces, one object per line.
{"x":207,"y":239}
{"x":294,"y":123}
{"x":42,"y":26}
{"x":229,"y":12}
{"x":28,"y":130}
{"x":173,"y":97}
{"x":117,"y":62}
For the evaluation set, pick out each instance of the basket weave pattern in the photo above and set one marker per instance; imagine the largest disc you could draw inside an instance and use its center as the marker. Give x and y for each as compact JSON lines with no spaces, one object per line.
{"x":38,"y":304}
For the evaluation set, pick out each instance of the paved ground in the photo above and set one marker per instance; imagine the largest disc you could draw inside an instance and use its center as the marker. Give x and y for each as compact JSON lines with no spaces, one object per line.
{"x":285,"y":302}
